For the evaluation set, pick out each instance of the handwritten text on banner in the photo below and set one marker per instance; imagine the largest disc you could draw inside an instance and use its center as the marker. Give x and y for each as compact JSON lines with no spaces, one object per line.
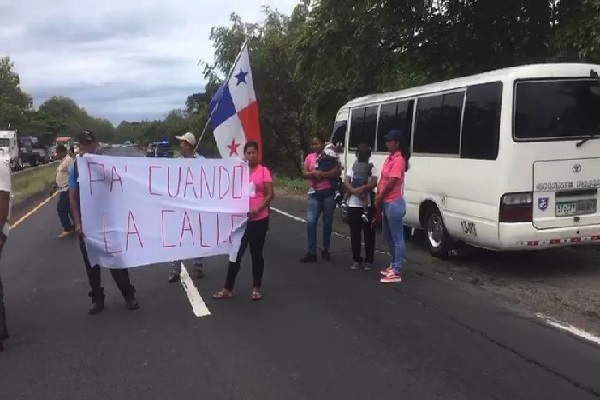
{"x":139,"y":211}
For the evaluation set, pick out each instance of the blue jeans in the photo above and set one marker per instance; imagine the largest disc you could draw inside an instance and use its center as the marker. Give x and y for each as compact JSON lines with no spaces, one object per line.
{"x":63,"y":207}
{"x":393,"y":231}
{"x":318,"y":204}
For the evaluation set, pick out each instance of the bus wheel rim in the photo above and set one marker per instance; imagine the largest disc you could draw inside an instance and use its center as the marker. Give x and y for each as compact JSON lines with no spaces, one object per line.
{"x":435,"y":230}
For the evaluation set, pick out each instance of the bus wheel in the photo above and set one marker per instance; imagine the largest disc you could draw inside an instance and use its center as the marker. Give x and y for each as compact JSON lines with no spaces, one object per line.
{"x":436,"y":235}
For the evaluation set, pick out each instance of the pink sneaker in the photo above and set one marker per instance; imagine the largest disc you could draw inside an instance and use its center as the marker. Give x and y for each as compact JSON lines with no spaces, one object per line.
{"x":386,"y":271}
{"x":392,"y":277}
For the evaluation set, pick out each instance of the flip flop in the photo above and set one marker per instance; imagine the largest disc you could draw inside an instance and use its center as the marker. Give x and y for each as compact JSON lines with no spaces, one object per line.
{"x":222,"y":294}
{"x":256,"y":296}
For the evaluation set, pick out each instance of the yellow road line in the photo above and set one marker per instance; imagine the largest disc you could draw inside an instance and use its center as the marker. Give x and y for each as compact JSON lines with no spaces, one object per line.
{"x":30,"y":213}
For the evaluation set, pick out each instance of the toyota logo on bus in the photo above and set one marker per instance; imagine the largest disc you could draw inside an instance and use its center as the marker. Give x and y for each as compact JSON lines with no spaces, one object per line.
{"x":577,"y":168}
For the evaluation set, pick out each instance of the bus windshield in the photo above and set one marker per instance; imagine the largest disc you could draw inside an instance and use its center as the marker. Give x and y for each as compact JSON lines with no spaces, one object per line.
{"x":556,"y":109}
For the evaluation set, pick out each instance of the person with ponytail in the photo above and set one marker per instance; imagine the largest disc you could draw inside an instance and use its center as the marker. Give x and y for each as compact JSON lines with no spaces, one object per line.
{"x":261,"y":195}
{"x":390,"y":202}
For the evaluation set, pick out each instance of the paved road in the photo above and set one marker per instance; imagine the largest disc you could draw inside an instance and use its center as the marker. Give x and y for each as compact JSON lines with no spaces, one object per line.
{"x":321,"y":332}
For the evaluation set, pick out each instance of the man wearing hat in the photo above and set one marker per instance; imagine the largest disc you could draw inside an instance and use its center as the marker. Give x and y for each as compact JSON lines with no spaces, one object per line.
{"x":187,"y":146}
{"x":89,"y":144}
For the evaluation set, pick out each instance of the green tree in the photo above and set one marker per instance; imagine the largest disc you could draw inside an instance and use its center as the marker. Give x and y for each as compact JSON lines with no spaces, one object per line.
{"x":14,"y":103}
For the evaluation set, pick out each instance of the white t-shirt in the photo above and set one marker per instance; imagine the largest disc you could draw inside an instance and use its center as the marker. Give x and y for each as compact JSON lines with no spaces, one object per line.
{"x":354,"y":200}
{"x":5,"y":186}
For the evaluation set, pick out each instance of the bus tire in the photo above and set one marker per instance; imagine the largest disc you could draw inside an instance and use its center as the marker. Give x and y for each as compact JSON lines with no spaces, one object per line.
{"x":437,"y":238}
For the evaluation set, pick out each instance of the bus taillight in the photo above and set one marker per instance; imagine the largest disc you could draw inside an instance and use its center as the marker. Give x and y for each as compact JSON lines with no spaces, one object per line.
{"x":516,"y":207}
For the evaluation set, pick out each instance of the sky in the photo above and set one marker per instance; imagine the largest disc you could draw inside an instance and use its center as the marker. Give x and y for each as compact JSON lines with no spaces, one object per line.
{"x":119,"y":59}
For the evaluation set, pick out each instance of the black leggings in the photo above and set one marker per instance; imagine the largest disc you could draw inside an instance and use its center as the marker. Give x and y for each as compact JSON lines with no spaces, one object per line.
{"x":255,"y":234}
{"x":358,"y":227}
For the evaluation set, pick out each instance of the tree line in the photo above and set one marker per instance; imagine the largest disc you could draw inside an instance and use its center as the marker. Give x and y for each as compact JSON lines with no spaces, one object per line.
{"x":306,"y":65}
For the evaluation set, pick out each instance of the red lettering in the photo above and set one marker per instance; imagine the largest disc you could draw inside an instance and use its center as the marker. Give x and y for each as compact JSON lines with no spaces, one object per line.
{"x":240,"y":182}
{"x":135,"y":231}
{"x":162,"y":227}
{"x":90,"y":163}
{"x":221,"y":194}
{"x":187,"y":228}
{"x":201,"y":232}
{"x":169,"y":182}
{"x":189,"y":174}
{"x":114,"y":174}
{"x":211,"y":190}
{"x":150,"y":180}
{"x":104,"y":231}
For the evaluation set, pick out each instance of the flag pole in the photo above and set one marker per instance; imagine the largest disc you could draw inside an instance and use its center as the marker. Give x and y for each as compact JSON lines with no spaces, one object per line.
{"x":227,"y":78}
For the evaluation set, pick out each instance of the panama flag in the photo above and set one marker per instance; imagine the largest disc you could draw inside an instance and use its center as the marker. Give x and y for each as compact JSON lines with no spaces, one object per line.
{"x":234,"y":110}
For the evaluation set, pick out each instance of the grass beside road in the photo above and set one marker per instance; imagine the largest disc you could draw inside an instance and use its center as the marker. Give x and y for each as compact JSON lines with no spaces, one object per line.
{"x":31,"y":181}
{"x":290,"y":186}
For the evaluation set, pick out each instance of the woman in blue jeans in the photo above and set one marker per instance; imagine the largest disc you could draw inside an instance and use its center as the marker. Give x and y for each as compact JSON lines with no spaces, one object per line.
{"x":390,"y":202}
{"x":321,"y":199}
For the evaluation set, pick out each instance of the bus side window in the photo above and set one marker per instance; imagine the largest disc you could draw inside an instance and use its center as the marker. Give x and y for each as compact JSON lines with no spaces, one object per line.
{"x":481,"y":123}
{"x":338,"y":137}
{"x":363,"y":127}
{"x":356,"y":127}
{"x":437,"y":130}
{"x":394,"y":116}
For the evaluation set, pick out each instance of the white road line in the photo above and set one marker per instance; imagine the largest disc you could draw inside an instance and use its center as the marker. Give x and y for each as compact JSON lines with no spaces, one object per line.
{"x":198,"y":306}
{"x":298,"y":219}
{"x":548,"y":320}
{"x":569,"y":328}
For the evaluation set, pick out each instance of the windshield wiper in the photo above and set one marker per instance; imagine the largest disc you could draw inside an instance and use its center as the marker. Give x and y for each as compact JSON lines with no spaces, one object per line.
{"x":587,"y":139}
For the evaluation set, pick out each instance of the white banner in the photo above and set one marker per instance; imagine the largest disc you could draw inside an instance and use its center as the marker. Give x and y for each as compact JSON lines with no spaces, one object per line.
{"x":138,"y":211}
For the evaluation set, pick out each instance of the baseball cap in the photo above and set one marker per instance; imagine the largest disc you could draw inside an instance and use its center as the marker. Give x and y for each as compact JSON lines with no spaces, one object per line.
{"x":187,"y":137}
{"x":395,"y":135}
{"x":86,"y":137}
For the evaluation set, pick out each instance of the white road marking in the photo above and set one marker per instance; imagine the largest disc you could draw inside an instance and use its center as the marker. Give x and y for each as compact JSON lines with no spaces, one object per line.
{"x":549,"y":320}
{"x":569,"y":328}
{"x":199,"y":308}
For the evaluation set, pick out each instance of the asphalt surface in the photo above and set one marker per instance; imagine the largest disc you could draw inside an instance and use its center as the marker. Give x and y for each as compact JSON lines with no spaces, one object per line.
{"x":321,"y":332}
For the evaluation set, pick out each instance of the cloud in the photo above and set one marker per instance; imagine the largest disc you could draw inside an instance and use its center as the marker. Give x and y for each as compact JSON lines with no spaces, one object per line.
{"x":118,"y":59}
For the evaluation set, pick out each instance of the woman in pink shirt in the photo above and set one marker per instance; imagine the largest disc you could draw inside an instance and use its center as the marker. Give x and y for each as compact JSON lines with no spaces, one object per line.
{"x":261,"y":195}
{"x":390,"y":200}
{"x":321,"y":170}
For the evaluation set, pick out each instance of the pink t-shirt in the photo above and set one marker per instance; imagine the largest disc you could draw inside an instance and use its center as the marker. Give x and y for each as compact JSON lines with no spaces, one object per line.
{"x":321,"y":184}
{"x":258,"y":177}
{"x":393,"y":167}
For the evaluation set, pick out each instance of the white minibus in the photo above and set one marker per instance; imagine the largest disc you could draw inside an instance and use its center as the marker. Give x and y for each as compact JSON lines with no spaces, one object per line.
{"x":503,"y":160}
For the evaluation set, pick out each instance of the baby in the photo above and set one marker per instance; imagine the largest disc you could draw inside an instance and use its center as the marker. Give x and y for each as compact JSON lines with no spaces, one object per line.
{"x":326,"y":161}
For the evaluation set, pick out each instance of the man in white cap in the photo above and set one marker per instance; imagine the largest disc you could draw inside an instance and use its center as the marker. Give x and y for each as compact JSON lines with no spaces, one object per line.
{"x":187,"y":146}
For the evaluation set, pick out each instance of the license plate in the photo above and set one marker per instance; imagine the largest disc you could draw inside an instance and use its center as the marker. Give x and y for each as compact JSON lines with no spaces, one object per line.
{"x":580,"y":207}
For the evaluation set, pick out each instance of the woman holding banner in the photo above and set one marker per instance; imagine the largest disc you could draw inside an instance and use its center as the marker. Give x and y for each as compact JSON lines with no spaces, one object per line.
{"x":261,"y":195}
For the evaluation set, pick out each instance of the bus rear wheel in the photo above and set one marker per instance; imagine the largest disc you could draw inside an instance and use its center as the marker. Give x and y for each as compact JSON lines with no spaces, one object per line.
{"x":437,"y":238}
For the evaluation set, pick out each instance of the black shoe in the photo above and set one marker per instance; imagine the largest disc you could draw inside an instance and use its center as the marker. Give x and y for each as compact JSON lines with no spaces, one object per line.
{"x":174,"y":276}
{"x":309,"y":258}
{"x":131,"y":303}
{"x":1,"y":346}
{"x":96,"y":307}
{"x":326,"y":256}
